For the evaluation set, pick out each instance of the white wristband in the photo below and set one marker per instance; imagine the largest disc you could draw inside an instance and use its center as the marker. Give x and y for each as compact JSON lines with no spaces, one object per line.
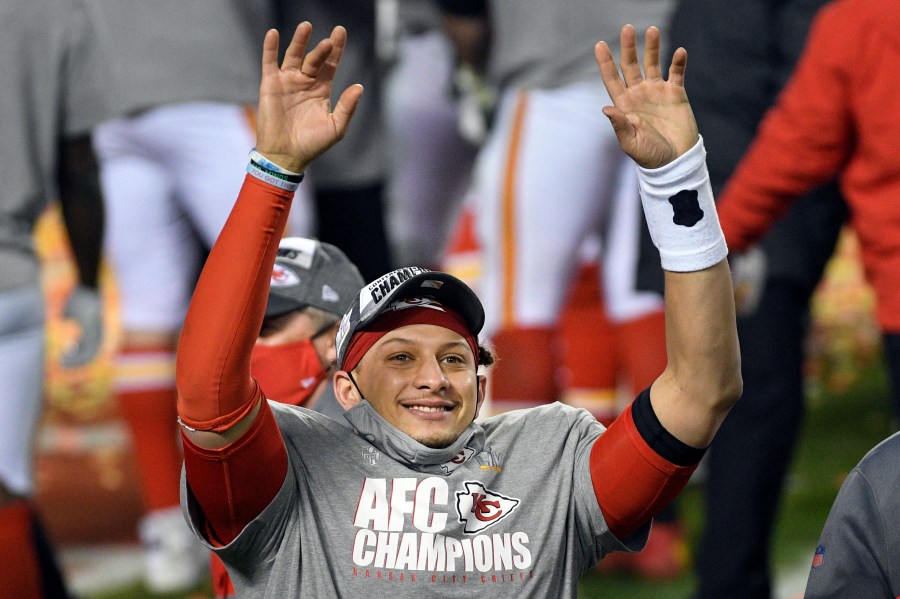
{"x":272,"y":178}
{"x":681,"y":212}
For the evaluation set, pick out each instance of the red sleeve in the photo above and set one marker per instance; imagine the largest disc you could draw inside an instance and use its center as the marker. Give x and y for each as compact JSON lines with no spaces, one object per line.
{"x":215,"y":389}
{"x":230,"y":484}
{"x":631,"y":481}
{"x":803,"y":140}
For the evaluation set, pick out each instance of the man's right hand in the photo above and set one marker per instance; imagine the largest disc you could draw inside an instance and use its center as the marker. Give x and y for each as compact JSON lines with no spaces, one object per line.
{"x":295,"y":122}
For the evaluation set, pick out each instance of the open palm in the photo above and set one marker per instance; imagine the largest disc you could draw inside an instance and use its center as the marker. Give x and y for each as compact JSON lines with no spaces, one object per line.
{"x":295,"y":122}
{"x":652,"y":118}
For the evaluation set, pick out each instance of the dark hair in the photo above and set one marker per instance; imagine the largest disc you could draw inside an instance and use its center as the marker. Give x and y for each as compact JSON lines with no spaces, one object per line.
{"x":485,"y":357}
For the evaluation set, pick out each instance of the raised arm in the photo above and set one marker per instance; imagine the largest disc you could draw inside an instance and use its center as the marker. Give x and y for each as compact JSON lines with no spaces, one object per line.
{"x":218,"y":399}
{"x":655,"y":126}
{"x":649,"y":453}
{"x":235,"y":458}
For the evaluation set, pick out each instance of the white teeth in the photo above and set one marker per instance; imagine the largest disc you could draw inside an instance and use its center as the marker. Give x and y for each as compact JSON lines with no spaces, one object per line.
{"x":427,"y":409}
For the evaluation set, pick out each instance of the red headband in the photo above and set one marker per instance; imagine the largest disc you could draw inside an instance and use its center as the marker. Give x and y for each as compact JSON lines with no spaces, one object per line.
{"x":362,"y":341}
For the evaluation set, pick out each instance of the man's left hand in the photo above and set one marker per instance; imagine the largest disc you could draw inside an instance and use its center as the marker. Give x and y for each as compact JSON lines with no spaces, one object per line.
{"x":86,"y":309}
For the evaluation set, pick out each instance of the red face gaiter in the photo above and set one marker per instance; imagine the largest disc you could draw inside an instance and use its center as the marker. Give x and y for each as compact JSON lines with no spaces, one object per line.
{"x":288,"y":373}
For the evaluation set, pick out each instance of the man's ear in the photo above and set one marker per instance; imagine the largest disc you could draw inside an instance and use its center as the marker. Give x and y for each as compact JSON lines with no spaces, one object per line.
{"x":345,"y":390}
{"x":481,"y":389}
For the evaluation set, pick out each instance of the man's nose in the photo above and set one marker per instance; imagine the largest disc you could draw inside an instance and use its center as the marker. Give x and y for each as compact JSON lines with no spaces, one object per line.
{"x":430,"y":375}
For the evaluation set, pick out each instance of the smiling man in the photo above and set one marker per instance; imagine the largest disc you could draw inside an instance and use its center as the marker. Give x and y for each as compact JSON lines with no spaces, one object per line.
{"x":415,"y":498}
{"x":411,"y":341}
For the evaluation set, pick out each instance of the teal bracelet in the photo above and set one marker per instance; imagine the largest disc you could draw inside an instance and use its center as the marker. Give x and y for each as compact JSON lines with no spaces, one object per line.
{"x":277,"y":175}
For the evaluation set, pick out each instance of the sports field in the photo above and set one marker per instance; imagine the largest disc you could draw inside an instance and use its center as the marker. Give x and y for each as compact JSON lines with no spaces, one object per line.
{"x":86,"y":476}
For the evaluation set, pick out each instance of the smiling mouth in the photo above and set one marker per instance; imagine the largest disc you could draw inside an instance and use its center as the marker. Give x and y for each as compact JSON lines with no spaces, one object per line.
{"x":430,"y":409}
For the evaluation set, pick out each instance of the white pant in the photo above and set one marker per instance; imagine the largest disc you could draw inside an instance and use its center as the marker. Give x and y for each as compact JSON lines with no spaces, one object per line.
{"x":550,"y":175}
{"x":22,"y":373}
{"x":430,"y":162}
{"x":170,"y":176}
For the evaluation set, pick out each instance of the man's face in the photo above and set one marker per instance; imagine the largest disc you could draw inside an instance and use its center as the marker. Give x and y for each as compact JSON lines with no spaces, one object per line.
{"x":422,"y":379}
{"x":300,"y":326}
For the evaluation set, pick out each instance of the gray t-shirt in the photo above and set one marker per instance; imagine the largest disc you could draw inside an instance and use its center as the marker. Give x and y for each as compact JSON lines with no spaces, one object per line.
{"x":858,"y":556}
{"x":512,"y":514}
{"x":169,"y":51}
{"x":539,"y":44}
{"x":52,"y":89}
{"x":328,"y":405}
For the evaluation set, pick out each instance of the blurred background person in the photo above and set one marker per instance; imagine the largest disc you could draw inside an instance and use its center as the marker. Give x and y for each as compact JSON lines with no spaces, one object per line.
{"x":184,"y":78}
{"x":53,"y":93}
{"x":835,"y":119}
{"x":757,"y":42}
{"x":430,"y":160}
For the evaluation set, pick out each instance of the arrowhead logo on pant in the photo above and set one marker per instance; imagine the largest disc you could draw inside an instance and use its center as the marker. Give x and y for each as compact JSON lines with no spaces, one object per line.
{"x":480,"y":508}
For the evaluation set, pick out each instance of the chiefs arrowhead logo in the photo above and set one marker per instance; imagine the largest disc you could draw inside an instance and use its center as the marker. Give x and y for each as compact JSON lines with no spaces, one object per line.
{"x":478,"y":507}
{"x":457,"y":460}
{"x":284,"y":277}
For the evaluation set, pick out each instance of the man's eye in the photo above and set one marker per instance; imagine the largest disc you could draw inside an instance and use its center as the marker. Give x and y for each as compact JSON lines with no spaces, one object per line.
{"x":454,"y":359}
{"x":399,"y":357}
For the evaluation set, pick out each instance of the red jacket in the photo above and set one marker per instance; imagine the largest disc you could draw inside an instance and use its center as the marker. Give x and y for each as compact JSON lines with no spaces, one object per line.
{"x":839,"y":115}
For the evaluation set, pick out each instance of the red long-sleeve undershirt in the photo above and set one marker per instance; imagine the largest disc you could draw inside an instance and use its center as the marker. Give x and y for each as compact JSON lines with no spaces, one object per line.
{"x":631,"y":480}
{"x":215,"y":389}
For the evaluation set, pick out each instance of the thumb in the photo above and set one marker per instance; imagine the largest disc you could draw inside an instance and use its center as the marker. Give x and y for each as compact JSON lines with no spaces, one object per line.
{"x":623,"y":128}
{"x":345,"y":107}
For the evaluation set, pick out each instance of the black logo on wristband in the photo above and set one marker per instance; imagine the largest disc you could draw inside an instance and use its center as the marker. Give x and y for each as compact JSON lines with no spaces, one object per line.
{"x":686,"y":207}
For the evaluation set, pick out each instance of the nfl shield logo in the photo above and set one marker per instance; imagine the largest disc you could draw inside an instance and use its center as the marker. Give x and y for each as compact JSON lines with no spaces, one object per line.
{"x":819,"y":557}
{"x":371,"y":455}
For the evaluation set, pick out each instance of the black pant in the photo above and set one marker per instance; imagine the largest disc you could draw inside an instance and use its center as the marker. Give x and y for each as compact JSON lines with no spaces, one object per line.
{"x":353,"y":220}
{"x":751,"y":452}
{"x":892,"y":360}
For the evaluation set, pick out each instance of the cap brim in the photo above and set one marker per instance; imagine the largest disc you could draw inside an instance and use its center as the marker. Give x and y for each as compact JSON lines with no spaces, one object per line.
{"x":279,"y":306}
